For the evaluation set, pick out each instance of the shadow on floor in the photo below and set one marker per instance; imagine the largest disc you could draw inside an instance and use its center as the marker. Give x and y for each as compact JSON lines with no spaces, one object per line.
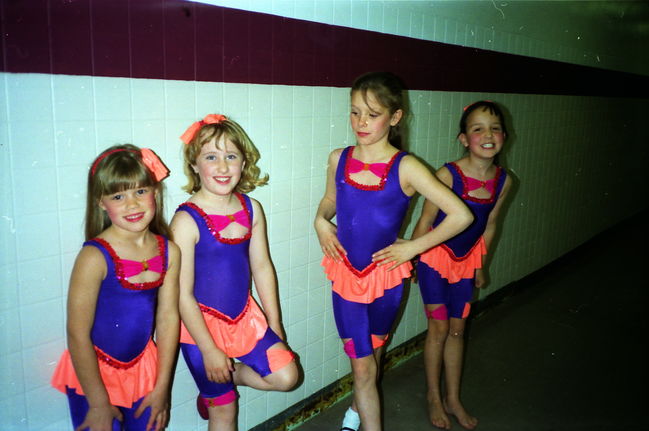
{"x":566,"y":352}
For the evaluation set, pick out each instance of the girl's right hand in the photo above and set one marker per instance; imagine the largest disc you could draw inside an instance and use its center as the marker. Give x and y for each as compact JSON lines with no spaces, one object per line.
{"x":218,"y":366}
{"x":100,"y":418}
{"x":328,"y":236}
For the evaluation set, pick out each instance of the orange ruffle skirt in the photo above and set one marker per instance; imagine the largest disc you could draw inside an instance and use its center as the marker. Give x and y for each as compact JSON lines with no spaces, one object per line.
{"x":452,"y":268}
{"x":366,"y":285}
{"x":125,"y":382}
{"x":235,"y":337}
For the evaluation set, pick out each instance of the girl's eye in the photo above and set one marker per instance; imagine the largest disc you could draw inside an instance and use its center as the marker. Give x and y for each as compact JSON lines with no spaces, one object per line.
{"x":117,"y":197}
{"x":141,"y":191}
{"x":374,"y":115}
{"x":210,"y":157}
{"x":232,"y":157}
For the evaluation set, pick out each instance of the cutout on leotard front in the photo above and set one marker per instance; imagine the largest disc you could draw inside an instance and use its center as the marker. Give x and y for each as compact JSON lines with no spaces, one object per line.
{"x":383,"y":177}
{"x":120,"y":271}
{"x":469,"y":184}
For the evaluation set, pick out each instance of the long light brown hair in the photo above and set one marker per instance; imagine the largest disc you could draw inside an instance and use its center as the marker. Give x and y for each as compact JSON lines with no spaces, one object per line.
{"x":116,"y":169}
{"x":388,"y":90}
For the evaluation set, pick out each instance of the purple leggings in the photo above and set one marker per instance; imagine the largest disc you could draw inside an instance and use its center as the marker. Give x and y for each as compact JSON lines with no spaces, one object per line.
{"x":358,"y":321}
{"x":435,"y":289}
{"x":79,"y":408}
{"x":257,"y":359}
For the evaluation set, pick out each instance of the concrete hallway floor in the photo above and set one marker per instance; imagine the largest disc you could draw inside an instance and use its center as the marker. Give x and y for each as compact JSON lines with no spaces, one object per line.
{"x":566,"y":351}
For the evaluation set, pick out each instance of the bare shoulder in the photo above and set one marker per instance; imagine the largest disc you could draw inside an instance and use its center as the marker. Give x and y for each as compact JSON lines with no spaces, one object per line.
{"x":410,"y":162}
{"x":90,"y":255}
{"x":183,"y":227}
{"x":174,"y":250}
{"x":334,"y":156}
{"x":256,"y":206}
{"x":445,"y":176}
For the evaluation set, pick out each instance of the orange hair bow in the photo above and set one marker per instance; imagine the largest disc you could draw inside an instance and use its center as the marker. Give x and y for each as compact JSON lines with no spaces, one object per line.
{"x":191,"y":131}
{"x":149,"y":158}
{"x":155,"y":165}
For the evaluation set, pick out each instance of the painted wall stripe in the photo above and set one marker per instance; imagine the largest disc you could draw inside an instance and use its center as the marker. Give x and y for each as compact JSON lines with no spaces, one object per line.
{"x":173,"y":39}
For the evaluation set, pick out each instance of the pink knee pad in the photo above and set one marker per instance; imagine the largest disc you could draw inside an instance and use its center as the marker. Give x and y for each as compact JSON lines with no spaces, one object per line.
{"x":220,"y":400}
{"x":440,"y":313}
{"x":349,"y":349}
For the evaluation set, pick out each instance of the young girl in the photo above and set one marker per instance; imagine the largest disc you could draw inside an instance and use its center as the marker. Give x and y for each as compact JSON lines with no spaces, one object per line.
{"x":448,"y":272}
{"x":124,"y":286}
{"x":369,"y":187}
{"x":222,"y":235}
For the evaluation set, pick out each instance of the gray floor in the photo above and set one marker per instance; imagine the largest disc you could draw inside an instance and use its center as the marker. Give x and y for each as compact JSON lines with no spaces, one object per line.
{"x":566,"y":352}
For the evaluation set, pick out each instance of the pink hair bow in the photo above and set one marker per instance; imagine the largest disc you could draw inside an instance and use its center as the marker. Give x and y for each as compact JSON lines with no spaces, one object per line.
{"x":471,"y":104}
{"x":191,"y":131}
{"x":155,"y":165}
{"x":377,"y":169}
{"x":473,"y":184}
{"x":220,"y":222}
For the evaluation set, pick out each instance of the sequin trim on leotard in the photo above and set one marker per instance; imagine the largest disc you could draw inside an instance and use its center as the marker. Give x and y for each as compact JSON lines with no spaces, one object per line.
{"x":384,"y":177}
{"x":122,"y":276}
{"x":466,"y":186}
{"x":213,"y":229}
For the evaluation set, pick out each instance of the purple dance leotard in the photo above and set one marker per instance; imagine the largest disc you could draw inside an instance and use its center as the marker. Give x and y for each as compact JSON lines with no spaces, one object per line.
{"x":440,"y":281}
{"x":222,"y":283}
{"x":366,"y":297}
{"x":122,"y":333}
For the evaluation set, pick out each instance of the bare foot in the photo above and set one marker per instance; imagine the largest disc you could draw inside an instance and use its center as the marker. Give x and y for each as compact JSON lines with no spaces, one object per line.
{"x":463,"y":418}
{"x":437,"y":415}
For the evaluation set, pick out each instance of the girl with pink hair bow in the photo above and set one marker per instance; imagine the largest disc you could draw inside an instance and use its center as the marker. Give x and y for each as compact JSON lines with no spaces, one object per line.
{"x":123,"y":295}
{"x":449,"y":272}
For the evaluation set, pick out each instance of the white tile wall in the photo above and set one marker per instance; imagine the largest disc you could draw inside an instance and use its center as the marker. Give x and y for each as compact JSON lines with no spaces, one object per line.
{"x":52,"y":126}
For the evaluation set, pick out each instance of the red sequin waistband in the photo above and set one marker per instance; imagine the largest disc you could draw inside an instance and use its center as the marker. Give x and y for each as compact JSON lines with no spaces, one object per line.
{"x":116,"y":363}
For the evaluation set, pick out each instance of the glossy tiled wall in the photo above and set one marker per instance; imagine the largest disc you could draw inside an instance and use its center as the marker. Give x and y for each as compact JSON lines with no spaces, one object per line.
{"x":573,"y":159}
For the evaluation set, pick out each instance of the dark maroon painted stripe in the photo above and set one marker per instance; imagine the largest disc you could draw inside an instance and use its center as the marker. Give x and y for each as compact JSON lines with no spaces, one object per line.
{"x":174,"y":39}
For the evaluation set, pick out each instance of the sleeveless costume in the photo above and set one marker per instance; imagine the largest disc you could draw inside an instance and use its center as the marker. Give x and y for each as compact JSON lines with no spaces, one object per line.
{"x":222,"y":283}
{"x":122,"y":335}
{"x":446,"y":272}
{"x":366,"y":297}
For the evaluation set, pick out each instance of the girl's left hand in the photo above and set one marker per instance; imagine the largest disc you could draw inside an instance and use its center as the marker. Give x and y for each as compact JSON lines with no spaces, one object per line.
{"x":397,"y":253}
{"x":159,"y":403}
{"x":480,"y":278}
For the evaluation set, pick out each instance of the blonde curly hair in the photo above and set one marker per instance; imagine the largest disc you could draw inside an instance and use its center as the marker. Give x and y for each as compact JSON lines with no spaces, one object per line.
{"x":251,"y":174}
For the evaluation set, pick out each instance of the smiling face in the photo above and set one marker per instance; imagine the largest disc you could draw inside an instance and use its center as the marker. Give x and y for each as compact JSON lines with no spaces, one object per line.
{"x":484,"y":136}
{"x":130,"y":210}
{"x":219,"y":166}
{"x":370,"y":120}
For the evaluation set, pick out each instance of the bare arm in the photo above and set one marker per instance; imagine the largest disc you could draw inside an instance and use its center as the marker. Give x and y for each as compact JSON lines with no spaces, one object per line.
{"x":263,"y":272}
{"x":217,"y":365}
{"x":490,"y":230}
{"x":416,"y":178}
{"x":429,"y":210}
{"x":167,"y":331}
{"x":88,"y":272}
{"x":328,"y":232}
